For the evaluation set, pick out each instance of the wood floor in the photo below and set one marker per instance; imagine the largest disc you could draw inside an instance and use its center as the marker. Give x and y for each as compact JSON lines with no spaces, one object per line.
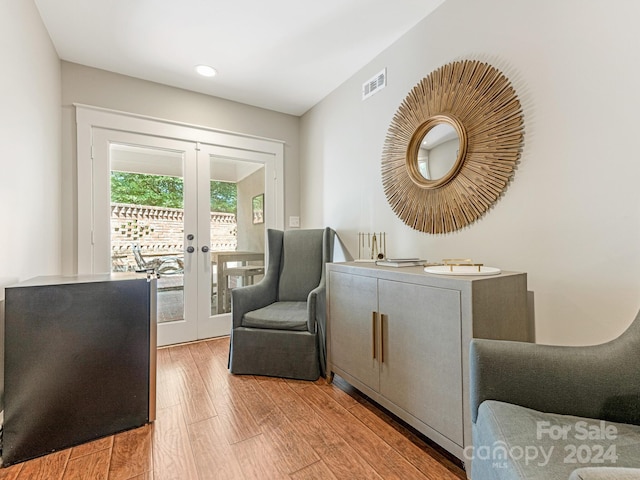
{"x":213,"y":425}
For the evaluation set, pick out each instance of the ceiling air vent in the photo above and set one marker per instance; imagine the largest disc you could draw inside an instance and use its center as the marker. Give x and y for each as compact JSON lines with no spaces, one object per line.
{"x":374,"y":85}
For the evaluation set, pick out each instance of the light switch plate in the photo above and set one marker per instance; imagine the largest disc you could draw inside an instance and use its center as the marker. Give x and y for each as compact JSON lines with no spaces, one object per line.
{"x":294,"y":222}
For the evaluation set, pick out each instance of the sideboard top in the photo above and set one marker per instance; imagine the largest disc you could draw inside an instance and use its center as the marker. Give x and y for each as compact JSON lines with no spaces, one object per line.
{"x":413,"y":274}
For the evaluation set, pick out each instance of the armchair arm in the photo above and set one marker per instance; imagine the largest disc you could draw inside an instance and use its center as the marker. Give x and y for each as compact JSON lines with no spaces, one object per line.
{"x":601,"y":381}
{"x":315,"y":306}
{"x":251,"y":297}
{"x":263,"y":293}
{"x":317,"y":320}
{"x":317,"y":301}
{"x":605,"y":473}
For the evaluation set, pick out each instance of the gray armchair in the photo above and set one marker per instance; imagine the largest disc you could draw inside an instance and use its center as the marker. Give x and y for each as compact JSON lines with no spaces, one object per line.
{"x":279,"y":324}
{"x":562,"y":407}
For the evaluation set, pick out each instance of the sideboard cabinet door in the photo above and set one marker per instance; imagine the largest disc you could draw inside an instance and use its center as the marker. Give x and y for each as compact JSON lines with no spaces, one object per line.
{"x":354,"y":299}
{"x":421,"y":371}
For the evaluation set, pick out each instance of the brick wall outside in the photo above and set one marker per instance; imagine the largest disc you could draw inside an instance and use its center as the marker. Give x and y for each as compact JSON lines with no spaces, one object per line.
{"x":160,"y":231}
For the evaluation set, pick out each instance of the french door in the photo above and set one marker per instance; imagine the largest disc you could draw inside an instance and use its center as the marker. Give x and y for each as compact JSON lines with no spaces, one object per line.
{"x":173,"y":238}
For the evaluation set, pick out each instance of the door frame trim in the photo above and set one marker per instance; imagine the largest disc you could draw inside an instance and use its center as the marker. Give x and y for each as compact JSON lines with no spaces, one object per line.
{"x":89,"y":117}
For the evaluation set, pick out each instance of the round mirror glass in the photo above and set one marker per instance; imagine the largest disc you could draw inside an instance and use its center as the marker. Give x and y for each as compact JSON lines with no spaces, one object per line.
{"x":438,"y":151}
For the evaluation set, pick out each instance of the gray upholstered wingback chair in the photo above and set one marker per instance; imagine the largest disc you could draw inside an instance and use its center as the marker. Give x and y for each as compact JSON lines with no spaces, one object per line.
{"x":279,"y":324}
{"x":580,"y":406}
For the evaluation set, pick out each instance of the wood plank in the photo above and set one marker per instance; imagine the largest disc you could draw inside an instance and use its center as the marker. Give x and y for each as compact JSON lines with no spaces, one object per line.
{"x":387,"y":462}
{"x":11,"y":473}
{"x":190,"y":387}
{"x":239,"y":382}
{"x":314,"y":472}
{"x":163,"y":362}
{"x":345,"y":394}
{"x":260,"y":405}
{"x":343,"y":460}
{"x":167,"y":391}
{"x":226,"y":392}
{"x":237,"y":421}
{"x":214,"y":456}
{"x":49,"y":467}
{"x":220,"y":349}
{"x":204,"y":357}
{"x":279,"y":390}
{"x":172,"y":454}
{"x":255,"y":456}
{"x":94,"y":466}
{"x":144,"y":476}
{"x":167,"y":394}
{"x":295,"y":384}
{"x":291,"y":452}
{"x":212,"y":373}
{"x":131,"y":454}
{"x":215,"y":376}
{"x":425,"y":458}
{"x":91,"y":447}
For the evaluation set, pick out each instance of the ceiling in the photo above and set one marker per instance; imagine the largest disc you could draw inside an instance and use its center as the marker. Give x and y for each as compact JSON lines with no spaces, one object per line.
{"x":155,"y":161}
{"x":283,"y":55}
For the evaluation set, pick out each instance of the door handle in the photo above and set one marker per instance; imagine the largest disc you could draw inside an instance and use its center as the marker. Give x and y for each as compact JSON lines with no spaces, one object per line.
{"x":205,"y":249}
{"x":190,"y":249}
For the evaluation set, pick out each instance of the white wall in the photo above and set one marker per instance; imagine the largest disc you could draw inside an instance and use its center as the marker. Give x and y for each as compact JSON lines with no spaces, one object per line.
{"x":250,"y":237}
{"x":90,"y":86}
{"x":31,"y":152}
{"x":571,"y":216}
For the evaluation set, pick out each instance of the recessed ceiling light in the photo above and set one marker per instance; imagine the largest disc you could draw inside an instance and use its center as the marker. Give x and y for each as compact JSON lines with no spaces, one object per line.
{"x":206,"y":70}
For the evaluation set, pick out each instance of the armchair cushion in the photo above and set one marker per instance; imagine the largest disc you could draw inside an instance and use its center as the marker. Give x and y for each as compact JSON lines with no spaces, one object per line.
{"x":278,"y":316}
{"x":516,"y":442}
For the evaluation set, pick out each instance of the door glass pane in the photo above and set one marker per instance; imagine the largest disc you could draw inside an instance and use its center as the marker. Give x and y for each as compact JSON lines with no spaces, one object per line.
{"x":237,"y":227}
{"x":147,"y":220}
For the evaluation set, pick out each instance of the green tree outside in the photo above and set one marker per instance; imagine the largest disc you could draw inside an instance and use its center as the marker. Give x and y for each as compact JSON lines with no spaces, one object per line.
{"x":224,"y":197}
{"x":167,"y":191}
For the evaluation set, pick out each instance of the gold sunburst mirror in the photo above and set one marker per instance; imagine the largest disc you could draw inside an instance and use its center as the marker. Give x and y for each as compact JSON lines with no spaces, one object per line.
{"x":452,"y":147}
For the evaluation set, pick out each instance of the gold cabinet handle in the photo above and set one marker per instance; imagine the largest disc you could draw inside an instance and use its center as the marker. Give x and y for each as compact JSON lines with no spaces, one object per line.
{"x":373,"y":329}
{"x":382,"y":318}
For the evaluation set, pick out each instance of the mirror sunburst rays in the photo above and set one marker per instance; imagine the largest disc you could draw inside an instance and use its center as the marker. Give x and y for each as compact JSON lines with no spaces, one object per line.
{"x":481,"y":99}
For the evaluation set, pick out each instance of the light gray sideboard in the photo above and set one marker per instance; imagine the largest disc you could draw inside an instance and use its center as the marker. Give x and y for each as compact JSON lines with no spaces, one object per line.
{"x":401,"y":336}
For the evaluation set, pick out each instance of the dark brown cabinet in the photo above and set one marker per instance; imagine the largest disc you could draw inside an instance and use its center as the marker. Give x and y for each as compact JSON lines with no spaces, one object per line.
{"x":79,"y":361}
